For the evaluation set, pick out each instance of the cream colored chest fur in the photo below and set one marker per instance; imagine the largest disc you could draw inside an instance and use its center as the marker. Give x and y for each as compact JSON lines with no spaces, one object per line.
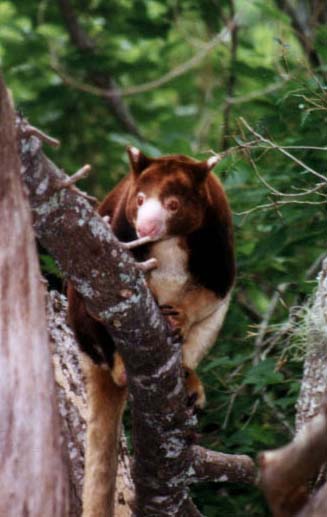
{"x":171,"y":279}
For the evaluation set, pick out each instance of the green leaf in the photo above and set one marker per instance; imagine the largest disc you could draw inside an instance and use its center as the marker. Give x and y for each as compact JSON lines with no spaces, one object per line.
{"x":263,"y":374}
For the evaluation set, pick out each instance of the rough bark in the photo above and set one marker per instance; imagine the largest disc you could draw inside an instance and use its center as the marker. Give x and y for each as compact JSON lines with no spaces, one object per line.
{"x":314,"y":381}
{"x":207,"y":465}
{"x":72,"y":408}
{"x":33,"y":477}
{"x":317,"y":505}
{"x":286,"y":472}
{"x":217,"y":466}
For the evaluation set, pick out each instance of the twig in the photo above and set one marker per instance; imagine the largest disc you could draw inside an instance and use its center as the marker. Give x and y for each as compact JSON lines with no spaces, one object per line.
{"x":31,"y":130}
{"x":315,"y":267}
{"x":278,"y":414}
{"x":266,"y":319}
{"x":80,"y":174}
{"x":276,"y":204}
{"x":283,"y":151}
{"x":305,"y":147}
{"x":270,"y":187}
{"x":248,"y":308}
{"x":251,"y":415}
{"x":242,"y":99}
{"x":231,"y":404}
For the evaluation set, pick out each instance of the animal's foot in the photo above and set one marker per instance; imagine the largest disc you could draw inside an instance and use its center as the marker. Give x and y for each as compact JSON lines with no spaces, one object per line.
{"x":176,"y":319}
{"x":118,"y":371}
{"x":195,"y":390}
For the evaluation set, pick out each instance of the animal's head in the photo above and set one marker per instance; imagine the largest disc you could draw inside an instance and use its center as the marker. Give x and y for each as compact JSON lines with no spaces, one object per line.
{"x":169,"y":195}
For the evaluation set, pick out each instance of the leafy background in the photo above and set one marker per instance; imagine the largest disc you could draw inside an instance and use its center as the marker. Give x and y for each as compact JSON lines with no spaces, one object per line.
{"x":257,"y":68}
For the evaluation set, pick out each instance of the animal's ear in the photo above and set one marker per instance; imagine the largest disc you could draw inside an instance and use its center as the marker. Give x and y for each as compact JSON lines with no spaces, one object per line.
{"x":211,"y":162}
{"x":138,"y":160}
{"x":201,"y":169}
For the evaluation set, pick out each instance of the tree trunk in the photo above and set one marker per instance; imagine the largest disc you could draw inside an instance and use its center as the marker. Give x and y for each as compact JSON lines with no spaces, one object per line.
{"x":314,"y":326}
{"x":32,"y":471}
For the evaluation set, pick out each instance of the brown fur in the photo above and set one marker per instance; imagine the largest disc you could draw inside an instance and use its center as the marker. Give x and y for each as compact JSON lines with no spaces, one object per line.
{"x":106,"y":402}
{"x":193,"y":280}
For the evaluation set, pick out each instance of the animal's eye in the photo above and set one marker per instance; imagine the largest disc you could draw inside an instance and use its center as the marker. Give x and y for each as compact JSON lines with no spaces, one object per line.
{"x":172,"y":204}
{"x":140,"y":199}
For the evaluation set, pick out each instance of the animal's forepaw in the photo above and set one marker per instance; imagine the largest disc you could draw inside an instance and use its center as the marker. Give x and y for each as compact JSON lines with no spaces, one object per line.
{"x":176,"y":319}
{"x":106,"y":219}
{"x":147,"y":265}
{"x":195,"y":391}
{"x":118,"y":371}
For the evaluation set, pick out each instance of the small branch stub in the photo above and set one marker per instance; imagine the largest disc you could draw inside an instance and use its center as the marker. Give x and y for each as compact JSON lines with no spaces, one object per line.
{"x":217,"y":466}
{"x":34,"y":131}
{"x":80,"y":174}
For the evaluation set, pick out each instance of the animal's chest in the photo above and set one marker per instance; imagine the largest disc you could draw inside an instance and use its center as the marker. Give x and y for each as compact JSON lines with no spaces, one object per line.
{"x":171,"y":279}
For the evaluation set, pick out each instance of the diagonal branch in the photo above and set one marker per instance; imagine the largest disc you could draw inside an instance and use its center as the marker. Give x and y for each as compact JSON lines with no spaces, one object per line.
{"x":302,"y":32}
{"x":231,"y":80}
{"x":81,"y":40}
{"x":179,"y":70}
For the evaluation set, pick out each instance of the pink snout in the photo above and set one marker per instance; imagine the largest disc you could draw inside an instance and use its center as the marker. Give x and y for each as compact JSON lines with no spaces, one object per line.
{"x":151,"y":228}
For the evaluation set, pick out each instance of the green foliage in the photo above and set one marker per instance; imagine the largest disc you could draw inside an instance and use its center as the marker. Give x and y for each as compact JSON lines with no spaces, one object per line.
{"x":250,"y":406}
{"x":49,"y":266}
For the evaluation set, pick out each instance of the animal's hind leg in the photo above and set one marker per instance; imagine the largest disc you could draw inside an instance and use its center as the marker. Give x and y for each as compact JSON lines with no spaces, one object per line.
{"x":106,"y":402}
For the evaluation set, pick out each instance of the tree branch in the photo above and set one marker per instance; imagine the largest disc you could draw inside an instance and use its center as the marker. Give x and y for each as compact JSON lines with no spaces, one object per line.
{"x":106,"y":92}
{"x":231,"y":79}
{"x":86,"y":45}
{"x":286,"y":472}
{"x":302,"y":32}
{"x":217,"y":466}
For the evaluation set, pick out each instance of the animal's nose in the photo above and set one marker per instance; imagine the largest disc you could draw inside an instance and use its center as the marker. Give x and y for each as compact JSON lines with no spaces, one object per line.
{"x":149,"y":228}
